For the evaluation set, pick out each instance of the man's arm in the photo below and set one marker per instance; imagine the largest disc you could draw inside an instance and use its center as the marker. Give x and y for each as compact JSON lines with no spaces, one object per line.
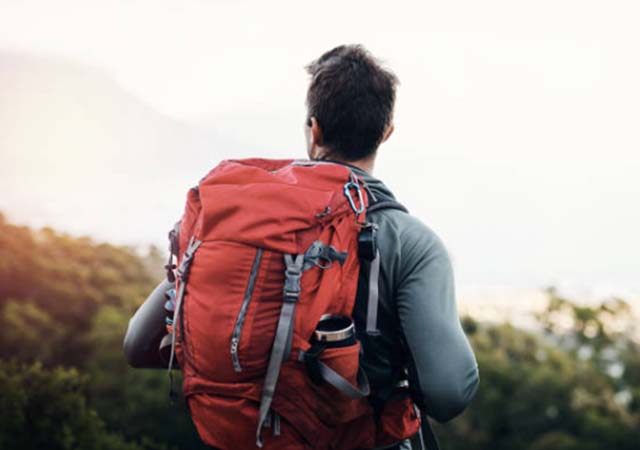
{"x":146,"y":330}
{"x":442,"y":369}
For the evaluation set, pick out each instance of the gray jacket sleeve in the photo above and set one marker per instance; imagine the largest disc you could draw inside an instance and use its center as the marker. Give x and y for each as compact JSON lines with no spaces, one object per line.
{"x":145,"y":331}
{"x":442,"y":366}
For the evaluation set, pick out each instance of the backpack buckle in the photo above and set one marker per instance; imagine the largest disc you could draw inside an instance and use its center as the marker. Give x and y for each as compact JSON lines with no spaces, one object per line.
{"x":292,"y":275}
{"x":367,"y":241}
{"x":321,"y":255}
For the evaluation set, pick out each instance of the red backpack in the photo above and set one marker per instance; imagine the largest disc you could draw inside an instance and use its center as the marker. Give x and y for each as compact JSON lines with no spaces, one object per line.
{"x":266,"y":249}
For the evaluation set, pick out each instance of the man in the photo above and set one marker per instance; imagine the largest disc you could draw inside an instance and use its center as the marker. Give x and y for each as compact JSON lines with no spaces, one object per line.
{"x":414,"y":335}
{"x":350,"y":107}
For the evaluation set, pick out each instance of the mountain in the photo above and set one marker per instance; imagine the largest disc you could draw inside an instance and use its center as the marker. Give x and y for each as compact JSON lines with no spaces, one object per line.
{"x":82,"y":154}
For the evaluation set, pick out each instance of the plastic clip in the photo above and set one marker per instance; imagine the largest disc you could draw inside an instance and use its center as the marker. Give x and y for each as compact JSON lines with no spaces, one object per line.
{"x":367,"y":242}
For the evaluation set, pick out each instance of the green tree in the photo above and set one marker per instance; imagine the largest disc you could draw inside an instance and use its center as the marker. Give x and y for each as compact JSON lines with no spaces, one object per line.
{"x":66,"y":301}
{"x":134,"y":402}
{"x":29,"y":333}
{"x":537,"y":394}
{"x":42,"y":408}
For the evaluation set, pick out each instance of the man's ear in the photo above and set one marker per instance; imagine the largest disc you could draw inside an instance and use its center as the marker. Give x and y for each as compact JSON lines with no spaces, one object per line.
{"x":388,"y":132}
{"x":316,"y":132}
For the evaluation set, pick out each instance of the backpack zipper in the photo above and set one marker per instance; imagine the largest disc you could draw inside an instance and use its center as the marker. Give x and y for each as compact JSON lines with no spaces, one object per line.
{"x":237,"y":329}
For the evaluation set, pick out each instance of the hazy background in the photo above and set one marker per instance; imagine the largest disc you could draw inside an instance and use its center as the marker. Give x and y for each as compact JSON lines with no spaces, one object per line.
{"x":516,"y":122}
{"x":517,"y":141}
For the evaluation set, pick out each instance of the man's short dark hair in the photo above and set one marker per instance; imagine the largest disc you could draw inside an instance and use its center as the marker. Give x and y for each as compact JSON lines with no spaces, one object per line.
{"x":352,"y":97}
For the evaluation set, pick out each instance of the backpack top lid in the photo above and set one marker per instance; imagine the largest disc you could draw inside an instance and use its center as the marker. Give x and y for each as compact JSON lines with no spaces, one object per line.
{"x":273,"y":203}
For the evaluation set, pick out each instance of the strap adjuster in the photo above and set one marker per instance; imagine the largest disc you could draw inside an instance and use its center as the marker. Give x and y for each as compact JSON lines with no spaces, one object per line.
{"x":183,"y":270}
{"x":367,"y":241}
{"x":292,"y":284}
{"x":187,"y":259}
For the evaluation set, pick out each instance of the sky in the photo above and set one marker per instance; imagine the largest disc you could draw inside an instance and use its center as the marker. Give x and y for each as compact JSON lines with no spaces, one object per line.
{"x":516,"y":122}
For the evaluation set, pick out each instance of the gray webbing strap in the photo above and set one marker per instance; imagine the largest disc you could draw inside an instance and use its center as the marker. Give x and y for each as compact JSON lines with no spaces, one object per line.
{"x":175,"y":323}
{"x":267,"y":421}
{"x":287,"y":349}
{"x":379,"y":203}
{"x":425,"y":438}
{"x":293,"y":273}
{"x":372,"y":303}
{"x":273,"y":418}
{"x":183,"y":274}
{"x":276,"y":424}
{"x":342,"y":384}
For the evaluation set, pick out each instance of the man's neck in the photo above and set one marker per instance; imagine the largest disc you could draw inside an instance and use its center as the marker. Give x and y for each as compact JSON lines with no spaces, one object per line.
{"x":365,"y":164}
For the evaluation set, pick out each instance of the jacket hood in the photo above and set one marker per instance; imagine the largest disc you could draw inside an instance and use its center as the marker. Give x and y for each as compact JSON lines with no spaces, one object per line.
{"x":373,"y":185}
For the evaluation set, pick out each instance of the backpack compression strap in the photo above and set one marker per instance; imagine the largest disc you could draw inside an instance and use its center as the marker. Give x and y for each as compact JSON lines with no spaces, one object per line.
{"x":293,"y":272}
{"x":183,"y":275}
{"x":323,"y":256}
{"x":320,"y":372}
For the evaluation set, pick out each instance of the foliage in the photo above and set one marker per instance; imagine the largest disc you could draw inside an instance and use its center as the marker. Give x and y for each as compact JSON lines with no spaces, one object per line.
{"x":542,"y":392}
{"x":51,"y":405}
{"x":66,"y":302}
{"x":69,"y":279}
{"x":134,"y":401}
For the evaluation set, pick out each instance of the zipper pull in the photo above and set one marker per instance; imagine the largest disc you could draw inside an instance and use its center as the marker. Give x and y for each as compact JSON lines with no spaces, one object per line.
{"x":234,"y":345}
{"x":234,"y":354}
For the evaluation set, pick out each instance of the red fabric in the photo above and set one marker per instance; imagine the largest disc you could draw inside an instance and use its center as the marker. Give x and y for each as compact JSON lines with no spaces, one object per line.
{"x":236,"y":429}
{"x":399,"y":420}
{"x":281,"y":207}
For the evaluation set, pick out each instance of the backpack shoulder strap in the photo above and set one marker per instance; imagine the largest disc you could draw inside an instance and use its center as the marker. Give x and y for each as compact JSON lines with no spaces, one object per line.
{"x":369,"y":253}
{"x":378,"y":202}
{"x":425,"y":439}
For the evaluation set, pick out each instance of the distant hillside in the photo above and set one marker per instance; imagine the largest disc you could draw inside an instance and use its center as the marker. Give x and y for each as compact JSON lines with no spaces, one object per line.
{"x":74,"y":143}
{"x":65,"y":302}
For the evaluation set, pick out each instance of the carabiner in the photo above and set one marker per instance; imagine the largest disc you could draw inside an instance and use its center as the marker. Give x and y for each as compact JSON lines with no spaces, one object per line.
{"x":347,"y":192}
